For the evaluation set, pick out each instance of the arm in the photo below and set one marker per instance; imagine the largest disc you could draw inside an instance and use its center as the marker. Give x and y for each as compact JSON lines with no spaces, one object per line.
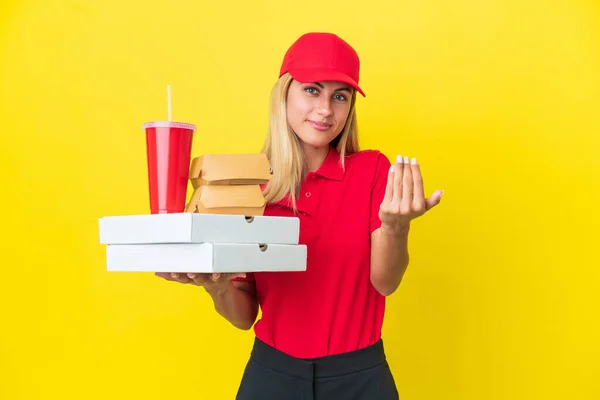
{"x":236,"y":302}
{"x":404,"y":201}
{"x":389,"y":259}
{"x":234,"y":295}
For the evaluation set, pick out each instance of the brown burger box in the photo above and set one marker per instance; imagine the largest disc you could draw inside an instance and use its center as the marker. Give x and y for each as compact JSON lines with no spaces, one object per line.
{"x":229,"y":183}
{"x":230,"y":169}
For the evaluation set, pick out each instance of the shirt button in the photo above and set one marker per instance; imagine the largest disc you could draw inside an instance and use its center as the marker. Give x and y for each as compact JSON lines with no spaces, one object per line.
{"x":308,"y":194}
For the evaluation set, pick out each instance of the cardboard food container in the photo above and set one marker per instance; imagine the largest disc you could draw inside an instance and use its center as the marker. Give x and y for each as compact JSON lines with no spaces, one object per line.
{"x":229,"y":184}
{"x":206,"y":257}
{"x":242,"y":199}
{"x":230,"y":169}
{"x":198,"y":228}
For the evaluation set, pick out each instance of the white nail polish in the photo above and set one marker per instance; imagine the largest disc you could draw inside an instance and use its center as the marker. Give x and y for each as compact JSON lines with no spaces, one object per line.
{"x":391,"y":168}
{"x":413,"y":161}
{"x":406,"y":160}
{"x":399,"y":159}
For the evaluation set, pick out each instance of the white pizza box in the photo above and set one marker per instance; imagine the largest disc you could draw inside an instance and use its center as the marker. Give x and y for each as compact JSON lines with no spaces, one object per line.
{"x":205,"y":257}
{"x":189,"y":227}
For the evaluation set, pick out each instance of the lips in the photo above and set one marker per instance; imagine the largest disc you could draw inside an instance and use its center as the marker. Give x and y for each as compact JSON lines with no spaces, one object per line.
{"x":319,"y":125}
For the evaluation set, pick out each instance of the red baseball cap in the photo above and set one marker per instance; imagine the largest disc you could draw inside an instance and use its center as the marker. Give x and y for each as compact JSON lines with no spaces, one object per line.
{"x":319,"y":56}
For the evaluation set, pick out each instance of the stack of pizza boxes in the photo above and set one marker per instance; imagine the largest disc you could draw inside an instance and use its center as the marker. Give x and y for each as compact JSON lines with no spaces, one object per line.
{"x":222,"y":228}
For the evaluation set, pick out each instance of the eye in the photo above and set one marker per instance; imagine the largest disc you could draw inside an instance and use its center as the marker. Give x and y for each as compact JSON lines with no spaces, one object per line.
{"x":340,"y":97}
{"x":311,"y":90}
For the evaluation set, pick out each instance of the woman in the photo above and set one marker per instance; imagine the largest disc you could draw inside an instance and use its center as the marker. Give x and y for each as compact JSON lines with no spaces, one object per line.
{"x":320,"y":332}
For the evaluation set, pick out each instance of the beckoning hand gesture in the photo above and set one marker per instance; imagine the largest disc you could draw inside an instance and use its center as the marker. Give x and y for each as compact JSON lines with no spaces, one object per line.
{"x":404,"y":198}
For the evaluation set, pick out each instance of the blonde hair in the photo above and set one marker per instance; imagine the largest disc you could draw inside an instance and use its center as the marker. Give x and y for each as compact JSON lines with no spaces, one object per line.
{"x":284,"y":149}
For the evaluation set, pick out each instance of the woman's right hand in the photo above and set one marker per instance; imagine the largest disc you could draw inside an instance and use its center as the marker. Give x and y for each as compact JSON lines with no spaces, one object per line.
{"x":212,"y":282}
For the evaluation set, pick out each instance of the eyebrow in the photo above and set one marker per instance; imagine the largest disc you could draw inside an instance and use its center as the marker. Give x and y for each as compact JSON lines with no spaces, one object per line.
{"x":336,"y":90}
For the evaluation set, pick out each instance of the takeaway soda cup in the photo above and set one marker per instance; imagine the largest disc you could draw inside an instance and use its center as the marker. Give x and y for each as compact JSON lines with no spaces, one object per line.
{"x":169,"y":149}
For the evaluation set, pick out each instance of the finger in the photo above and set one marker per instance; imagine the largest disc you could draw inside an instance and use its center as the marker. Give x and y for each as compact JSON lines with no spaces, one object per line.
{"x":181,"y":278}
{"x":418,"y":193}
{"x":398,"y":175}
{"x":407,"y":186}
{"x":164,"y":275}
{"x":389,"y":188}
{"x":215,"y":277}
{"x":434,"y":200}
{"x":197,"y":279}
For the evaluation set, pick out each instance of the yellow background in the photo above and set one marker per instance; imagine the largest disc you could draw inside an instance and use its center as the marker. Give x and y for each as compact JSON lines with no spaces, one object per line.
{"x":499,"y":100}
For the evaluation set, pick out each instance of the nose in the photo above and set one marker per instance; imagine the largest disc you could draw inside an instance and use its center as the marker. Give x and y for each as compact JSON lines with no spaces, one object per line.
{"x":324,"y":106}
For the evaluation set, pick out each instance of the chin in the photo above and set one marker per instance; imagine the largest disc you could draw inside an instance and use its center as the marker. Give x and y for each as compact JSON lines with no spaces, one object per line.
{"x":317,"y":142}
{"x":315,"y":138}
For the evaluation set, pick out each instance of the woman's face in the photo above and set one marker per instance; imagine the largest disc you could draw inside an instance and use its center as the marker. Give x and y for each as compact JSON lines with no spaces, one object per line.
{"x":317,"y":112}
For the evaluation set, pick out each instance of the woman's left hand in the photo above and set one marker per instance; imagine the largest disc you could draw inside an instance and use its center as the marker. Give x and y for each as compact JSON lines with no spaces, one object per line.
{"x":404,"y":196}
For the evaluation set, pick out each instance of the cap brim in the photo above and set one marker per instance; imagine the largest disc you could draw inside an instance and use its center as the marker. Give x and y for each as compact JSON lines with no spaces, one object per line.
{"x":321,"y":75}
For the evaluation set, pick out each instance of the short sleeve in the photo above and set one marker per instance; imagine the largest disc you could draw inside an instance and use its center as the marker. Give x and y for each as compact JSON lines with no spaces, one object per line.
{"x":249,"y":278}
{"x":380,"y":178}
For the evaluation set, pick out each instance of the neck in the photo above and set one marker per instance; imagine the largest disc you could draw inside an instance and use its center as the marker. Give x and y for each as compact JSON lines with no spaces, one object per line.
{"x":315,"y":156}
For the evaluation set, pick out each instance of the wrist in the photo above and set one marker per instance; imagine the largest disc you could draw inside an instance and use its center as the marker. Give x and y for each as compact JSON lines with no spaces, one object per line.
{"x":219,"y":290}
{"x":397,"y":230}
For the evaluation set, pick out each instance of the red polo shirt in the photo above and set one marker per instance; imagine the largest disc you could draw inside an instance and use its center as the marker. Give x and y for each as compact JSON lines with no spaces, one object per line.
{"x":331,"y":307}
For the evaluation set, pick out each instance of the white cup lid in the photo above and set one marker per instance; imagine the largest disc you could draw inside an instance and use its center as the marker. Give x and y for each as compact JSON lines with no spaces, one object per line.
{"x":168,"y":124}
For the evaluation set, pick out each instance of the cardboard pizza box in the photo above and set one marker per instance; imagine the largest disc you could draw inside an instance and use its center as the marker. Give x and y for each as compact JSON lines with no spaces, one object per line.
{"x":198,"y":228}
{"x":206,"y":257}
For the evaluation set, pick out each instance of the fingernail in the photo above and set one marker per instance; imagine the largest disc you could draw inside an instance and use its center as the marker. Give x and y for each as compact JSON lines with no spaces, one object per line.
{"x":216,"y":275}
{"x":413,"y":161}
{"x":173,"y":275}
{"x":399,"y":159}
{"x":406,"y":160}
{"x":191,"y":276}
{"x":392,"y":168}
